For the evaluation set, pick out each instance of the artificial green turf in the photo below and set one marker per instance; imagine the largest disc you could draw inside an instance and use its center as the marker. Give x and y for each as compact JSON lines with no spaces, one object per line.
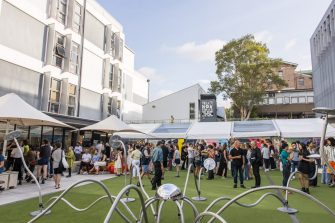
{"x":263,"y":213}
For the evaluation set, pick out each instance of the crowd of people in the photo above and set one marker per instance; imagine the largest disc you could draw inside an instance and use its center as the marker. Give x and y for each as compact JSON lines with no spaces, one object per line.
{"x":242,"y":160}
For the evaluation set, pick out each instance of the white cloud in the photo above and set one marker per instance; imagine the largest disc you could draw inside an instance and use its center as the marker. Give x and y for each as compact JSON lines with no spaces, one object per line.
{"x":264,"y":36}
{"x":164,"y":92}
{"x":152,"y":74}
{"x":197,"y":52}
{"x":290,"y":44}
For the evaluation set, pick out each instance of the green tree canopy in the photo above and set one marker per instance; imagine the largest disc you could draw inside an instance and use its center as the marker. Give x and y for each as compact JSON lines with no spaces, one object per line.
{"x":245,"y":71}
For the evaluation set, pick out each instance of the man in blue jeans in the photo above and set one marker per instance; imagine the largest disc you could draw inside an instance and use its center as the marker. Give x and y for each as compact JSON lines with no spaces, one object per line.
{"x":237,"y":163}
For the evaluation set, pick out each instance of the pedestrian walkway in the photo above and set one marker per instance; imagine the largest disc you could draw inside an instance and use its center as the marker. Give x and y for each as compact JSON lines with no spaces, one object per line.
{"x":30,"y":190}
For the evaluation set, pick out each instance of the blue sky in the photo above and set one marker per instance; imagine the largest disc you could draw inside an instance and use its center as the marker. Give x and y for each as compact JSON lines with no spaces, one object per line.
{"x":175,"y":40}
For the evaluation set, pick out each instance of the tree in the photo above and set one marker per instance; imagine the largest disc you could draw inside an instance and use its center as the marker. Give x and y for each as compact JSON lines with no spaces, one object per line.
{"x":245,"y":71}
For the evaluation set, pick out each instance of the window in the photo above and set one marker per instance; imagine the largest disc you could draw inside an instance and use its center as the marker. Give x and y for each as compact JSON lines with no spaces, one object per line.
{"x":271,"y":101}
{"x":192,"y":110}
{"x":310,"y":99}
{"x":118,"y":109}
{"x":59,"y":51}
{"x":279,"y":100}
{"x":61,"y":11}
{"x":302,"y":100}
{"x":286,"y":100}
{"x":72,"y":100}
{"x":294,"y":100}
{"x":77,"y":18}
{"x":113,"y":40}
{"x":301,"y":81}
{"x":281,"y":74}
{"x":266,"y":101}
{"x":119,"y":81}
{"x":54,"y":97}
{"x":110,"y":106}
{"x":74,"y":60}
{"x":111,"y":76}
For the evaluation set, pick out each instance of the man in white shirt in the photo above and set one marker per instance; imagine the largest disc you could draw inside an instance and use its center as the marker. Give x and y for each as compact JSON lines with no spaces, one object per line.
{"x":266,"y":156}
{"x":16,"y":154}
{"x":77,"y":151}
{"x":85,"y":161}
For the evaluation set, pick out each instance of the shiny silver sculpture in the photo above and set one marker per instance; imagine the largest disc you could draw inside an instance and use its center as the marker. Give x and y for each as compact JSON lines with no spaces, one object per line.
{"x":13,"y":136}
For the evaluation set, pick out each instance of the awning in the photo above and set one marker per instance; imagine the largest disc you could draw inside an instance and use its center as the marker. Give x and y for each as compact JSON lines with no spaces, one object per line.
{"x":303,"y":128}
{"x":259,"y":128}
{"x":210,"y":130}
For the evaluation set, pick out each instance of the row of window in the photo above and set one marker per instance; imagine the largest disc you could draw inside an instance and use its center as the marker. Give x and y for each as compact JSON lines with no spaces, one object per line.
{"x":116,"y":48}
{"x":77,"y":14}
{"x":288,"y":100}
{"x":59,"y":54}
{"x":55,"y":97}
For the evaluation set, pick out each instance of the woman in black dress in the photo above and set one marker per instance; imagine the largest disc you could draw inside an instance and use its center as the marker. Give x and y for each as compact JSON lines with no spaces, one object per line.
{"x":222,"y":171}
{"x":304,"y":167}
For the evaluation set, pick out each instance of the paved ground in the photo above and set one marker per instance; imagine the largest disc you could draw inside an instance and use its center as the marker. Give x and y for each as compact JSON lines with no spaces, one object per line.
{"x":29,"y":190}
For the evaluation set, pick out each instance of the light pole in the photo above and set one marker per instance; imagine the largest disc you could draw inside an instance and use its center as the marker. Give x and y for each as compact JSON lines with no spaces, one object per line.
{"x":148,"y":81}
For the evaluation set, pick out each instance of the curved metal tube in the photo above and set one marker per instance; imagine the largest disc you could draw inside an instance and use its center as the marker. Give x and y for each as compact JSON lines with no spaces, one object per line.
{"x":194,"y":208}
{"x":118,"y":198}
{"x":40,"y":198}
{"x":245,"y":205}
{"x":76,"y":208}
{"x":72,"y":186}
{"x":208,"y":213}
{"x":197,"y":182}
{"x":160,"y":211}
{"x":180,"y":211}
{"x":125,"y":161}
{"x":149,"y":202}
{"x":186,"y":182}
{"x":293,"y":173}
{"x":274,"y":187}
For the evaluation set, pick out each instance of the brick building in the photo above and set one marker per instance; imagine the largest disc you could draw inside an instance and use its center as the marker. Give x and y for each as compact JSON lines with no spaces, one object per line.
{"x":294,"y":101}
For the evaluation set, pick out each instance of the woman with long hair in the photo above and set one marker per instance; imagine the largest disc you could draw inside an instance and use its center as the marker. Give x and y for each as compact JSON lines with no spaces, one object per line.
{"x":304,"y":167}
{"x":70,"y":157}
{"x":57,"y":156}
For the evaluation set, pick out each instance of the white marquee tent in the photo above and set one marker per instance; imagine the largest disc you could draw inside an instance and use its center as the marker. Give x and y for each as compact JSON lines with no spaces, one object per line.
{"x":210,"y":130}
{"x":286,"y":128}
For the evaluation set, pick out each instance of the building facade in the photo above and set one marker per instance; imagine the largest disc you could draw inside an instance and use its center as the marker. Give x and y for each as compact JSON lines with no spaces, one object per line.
{"x":180,"y":106}
{"x":296,"y":100}
{"x":323,"y":59}
{"x":68,"y":58}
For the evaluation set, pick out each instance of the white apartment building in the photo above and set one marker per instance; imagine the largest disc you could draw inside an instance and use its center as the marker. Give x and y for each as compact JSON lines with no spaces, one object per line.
{"x":41,"y":48}
{"x":323,"y":50}
{"x":182,"y":105}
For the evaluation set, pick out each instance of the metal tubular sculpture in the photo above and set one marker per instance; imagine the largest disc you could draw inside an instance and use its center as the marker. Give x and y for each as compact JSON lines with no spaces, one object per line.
{"x":169,"y":192}
{"x":208,"y":213}
{"x":197,"y":186}
{"x":72,"y":186}
{"x":118,"y":198}
{"x":273,"y":187}
{"x":217,"y":200}
{"x":13,"y":136}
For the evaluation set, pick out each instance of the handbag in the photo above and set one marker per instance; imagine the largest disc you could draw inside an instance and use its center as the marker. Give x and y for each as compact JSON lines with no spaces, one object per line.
{"x":63,"y":163}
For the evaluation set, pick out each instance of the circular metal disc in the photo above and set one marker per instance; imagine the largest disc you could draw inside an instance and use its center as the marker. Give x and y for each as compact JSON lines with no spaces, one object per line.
{"x":209,"y":164}
{"x":287,"y":210}
{"x":35,"y":213}
{"x":128,"y":199}
{"x":199,"y":198}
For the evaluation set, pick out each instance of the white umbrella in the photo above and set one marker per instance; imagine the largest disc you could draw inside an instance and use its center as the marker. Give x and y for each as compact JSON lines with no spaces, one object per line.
{"x":110,"y":125}
{"x":15,"y":111}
